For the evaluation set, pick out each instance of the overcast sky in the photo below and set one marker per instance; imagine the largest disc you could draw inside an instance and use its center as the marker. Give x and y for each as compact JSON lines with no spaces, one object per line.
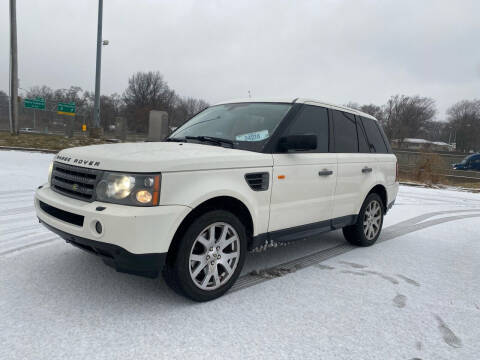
{"x":336,"y":51}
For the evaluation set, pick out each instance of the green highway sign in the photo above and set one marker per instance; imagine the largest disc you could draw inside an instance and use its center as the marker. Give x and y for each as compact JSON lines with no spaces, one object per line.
{"x":37,"y":103}
{"x":66,"y":109}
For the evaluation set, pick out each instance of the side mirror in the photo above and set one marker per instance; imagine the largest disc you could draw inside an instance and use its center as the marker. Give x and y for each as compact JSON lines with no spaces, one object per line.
{"x":298,"y":142}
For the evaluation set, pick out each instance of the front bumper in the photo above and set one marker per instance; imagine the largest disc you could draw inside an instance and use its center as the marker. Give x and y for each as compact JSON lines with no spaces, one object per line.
{"x":148,"y":265}
{"x":136,"y":230}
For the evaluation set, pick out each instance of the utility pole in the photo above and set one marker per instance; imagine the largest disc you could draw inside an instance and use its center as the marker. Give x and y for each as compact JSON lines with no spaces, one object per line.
{"x":13,"y":109}
{"x":96,"y":108}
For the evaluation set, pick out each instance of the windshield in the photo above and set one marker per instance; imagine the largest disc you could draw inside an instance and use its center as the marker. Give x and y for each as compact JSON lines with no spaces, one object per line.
{"x":464,"y":161}
{"x":247,"y":125}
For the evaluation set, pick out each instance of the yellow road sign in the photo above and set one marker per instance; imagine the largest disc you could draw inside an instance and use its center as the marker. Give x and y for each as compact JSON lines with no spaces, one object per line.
{"x":65,"y":113}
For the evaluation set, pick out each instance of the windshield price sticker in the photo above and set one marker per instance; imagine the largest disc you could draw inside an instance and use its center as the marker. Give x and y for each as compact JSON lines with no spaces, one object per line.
{"x":254,"y":136}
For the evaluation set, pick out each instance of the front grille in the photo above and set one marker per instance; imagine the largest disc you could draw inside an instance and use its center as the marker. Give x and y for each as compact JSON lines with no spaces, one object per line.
{"x":75,"y":181}
{"x":258,"y":181}
{"x":62,"y":214}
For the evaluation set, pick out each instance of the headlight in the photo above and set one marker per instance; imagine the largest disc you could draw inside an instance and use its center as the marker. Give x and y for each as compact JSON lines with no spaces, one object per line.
{"x":129,"y":189}
{"x":50,"y":169}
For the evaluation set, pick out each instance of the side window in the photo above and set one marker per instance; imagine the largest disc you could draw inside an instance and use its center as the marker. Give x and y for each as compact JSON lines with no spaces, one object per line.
{"x":476,"y":162}
{"x":385,"y":139}
{"x":312,"y":120}
{"x":363,"y":146}
{"x":374,"y":136}
{"x":345,"y":132}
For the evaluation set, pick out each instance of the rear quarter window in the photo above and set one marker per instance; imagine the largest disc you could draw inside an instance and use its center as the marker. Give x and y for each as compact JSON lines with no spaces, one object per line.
{"x":363,"y":146}
{"x":375,"y":136}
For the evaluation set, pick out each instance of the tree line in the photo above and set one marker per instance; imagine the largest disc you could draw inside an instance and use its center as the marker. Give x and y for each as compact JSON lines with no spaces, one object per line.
{"x":401,"y":116}
{"x":145,"y":91}
{"x":415,"y":117}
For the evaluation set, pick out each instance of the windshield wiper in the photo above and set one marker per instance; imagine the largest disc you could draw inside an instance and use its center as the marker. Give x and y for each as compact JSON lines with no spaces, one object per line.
{"x":212,"y":139}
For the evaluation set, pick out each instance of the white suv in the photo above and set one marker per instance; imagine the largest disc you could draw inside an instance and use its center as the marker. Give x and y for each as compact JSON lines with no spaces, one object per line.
{"x":237,"y":176}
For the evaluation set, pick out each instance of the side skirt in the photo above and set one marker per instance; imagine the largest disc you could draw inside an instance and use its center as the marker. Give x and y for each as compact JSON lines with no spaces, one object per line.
{"x":302,"y":232}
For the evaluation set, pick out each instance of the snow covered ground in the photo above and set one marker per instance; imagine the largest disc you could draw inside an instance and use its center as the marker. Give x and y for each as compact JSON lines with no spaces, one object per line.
{"x":415,"y":294}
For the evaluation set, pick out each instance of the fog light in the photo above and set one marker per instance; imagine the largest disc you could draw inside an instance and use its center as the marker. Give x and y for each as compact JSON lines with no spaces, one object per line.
{"x":144,"y":196}
{"x":98,"y":227}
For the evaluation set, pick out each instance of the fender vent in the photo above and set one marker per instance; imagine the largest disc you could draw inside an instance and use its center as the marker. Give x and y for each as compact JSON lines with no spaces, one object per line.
{"x":258,"y":181}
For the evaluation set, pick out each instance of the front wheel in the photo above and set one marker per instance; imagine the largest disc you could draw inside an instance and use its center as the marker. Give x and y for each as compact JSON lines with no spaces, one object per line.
{"x":210,"y":256}
{"x":366,"y":230}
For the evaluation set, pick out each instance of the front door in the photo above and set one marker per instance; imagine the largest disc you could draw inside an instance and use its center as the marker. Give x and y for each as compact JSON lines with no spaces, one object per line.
{"x":304,"y":182}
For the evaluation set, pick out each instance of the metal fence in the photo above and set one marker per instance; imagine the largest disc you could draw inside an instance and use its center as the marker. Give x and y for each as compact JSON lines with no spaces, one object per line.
{"x":409,"y":162}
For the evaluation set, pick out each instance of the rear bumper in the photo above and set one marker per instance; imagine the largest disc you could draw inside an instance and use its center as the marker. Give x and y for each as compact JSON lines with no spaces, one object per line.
{"x":148,"y":265}
{"x":392,"y":192}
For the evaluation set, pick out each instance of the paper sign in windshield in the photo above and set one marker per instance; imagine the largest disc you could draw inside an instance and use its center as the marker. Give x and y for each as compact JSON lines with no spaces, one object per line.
{"x":253,"y":136}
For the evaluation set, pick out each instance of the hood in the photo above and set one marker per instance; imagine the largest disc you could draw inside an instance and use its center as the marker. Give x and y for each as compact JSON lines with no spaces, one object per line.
{"x":161,"y":157}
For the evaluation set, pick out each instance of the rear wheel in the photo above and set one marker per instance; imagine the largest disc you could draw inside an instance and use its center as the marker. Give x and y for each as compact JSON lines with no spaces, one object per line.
{"x":210,"y":256}
{"x":366,"y":230}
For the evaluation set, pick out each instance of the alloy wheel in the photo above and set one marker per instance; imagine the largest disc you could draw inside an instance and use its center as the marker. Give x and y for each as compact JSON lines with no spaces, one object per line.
{"x":372,"y":219}
{"x":214,"y":256}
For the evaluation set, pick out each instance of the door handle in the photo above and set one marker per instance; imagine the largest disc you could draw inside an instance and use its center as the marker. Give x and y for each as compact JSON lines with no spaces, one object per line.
{"x":325,"y":172}
{"x":366,"y":170}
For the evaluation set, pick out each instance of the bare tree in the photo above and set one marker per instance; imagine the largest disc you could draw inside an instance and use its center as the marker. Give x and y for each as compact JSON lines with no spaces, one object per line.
{"x":436,"y":131}
{"x":186,"y":108}
{"x":146,"y":91}
{"x":464,"y":118}
{"x":374,"y":110}
{"x":352,"y":105}
{"x":408,"y":116}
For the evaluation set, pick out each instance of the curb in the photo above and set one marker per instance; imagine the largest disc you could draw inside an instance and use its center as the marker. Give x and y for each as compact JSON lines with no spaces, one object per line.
{"x":48,"y":151}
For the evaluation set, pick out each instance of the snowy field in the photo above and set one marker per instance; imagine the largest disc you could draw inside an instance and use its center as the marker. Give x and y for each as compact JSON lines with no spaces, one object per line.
{"x":414,"y":295}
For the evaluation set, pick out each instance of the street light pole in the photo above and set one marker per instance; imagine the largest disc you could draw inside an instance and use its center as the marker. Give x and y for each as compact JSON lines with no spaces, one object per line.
{"x":13,"y":109}
{"x":96,"y":109}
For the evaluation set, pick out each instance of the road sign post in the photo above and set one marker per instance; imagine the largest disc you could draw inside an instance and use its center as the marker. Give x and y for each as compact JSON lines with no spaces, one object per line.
{"x":66,"y":109}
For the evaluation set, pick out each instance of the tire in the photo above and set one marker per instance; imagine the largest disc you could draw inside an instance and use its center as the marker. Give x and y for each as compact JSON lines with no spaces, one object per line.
{"x":364,"y":232}
{"x":206,"y":267}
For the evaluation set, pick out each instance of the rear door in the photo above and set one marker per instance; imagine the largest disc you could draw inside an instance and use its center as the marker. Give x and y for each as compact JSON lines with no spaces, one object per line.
{"x":304,"y":182}
{"x":356,"y":168}
{"x":386,"y":161}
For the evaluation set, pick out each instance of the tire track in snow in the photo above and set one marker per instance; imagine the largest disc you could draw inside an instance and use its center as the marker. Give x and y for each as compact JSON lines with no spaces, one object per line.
{"x":27,"y":246}
{"x":16,"y":200}
{"x":14,"y":192}
{"x":25,"y":241}
{"x":24,"y":236}
{"x":405,"y":227}
{"x":20,"y":229}
{"x":17,"y":220}
{"x":17,"y":211}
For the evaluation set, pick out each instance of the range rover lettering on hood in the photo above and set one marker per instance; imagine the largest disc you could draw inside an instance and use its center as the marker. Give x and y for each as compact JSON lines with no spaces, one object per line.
{"x":68,"y":159}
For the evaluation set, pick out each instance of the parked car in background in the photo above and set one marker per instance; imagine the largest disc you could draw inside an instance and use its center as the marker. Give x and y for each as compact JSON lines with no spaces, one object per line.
{"x":471,"y":162}
{"x":27,"y":130}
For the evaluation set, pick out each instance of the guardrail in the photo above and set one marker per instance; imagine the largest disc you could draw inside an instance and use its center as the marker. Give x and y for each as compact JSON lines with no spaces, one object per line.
{"x":411,"y":157}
